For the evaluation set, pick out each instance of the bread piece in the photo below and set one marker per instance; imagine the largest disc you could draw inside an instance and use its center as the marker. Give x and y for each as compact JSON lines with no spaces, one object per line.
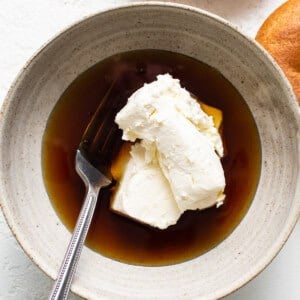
{"x":280,"y":36}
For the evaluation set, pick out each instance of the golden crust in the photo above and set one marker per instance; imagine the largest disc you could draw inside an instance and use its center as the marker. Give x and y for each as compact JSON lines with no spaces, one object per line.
{"x":280,"y":36}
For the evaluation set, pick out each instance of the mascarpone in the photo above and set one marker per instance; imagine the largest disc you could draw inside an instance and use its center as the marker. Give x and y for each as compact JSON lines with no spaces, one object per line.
{"x":175,"y":164}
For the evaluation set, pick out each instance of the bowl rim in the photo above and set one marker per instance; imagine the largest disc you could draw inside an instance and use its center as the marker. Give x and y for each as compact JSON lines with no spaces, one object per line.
{"x":293,"y":217}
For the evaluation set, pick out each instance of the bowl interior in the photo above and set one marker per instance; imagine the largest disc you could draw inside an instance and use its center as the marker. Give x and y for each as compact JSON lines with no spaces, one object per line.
{"x":275,"y":207}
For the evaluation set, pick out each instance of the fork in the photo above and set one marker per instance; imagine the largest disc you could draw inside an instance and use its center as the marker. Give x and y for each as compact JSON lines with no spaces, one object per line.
{"x":99,"y":129}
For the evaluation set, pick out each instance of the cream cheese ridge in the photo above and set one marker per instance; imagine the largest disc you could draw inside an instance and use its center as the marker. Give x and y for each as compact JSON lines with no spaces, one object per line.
{"x":174,"y":164}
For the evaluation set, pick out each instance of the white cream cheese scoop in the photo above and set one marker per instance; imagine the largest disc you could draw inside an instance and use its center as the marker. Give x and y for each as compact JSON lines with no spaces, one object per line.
{"x":176,"y":160}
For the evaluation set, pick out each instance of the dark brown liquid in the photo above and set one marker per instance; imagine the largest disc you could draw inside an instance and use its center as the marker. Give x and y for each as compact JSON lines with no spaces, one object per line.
{"x":116,"y":236}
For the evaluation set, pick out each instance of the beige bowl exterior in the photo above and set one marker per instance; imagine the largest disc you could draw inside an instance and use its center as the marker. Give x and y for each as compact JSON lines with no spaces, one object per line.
{"x":182,"y":29}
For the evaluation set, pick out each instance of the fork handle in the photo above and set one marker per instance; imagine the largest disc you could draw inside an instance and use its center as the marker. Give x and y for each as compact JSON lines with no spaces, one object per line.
{"x":63,"y":282}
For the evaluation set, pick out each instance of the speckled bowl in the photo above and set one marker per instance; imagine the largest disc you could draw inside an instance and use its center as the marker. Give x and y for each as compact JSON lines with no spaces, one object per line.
{"x":186,"y":30}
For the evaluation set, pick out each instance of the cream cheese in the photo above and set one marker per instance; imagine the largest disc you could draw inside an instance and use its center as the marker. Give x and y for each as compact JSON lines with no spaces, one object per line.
{"x":144,"y":193}
{"x":180,"y":148}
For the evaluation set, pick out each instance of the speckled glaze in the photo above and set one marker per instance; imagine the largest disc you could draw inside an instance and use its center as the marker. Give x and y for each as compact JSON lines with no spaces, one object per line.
{"x":186,"y":30}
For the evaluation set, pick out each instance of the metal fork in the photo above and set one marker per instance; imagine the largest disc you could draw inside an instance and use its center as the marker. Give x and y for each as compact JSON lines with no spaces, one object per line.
{"x":99,"y":129}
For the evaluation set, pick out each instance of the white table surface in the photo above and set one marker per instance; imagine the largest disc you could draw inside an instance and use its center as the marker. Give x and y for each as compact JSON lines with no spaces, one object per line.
{"x":25,"y":25}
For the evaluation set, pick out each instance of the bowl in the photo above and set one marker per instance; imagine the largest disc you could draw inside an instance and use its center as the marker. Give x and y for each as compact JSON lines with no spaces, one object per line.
{"x":193,"y":32}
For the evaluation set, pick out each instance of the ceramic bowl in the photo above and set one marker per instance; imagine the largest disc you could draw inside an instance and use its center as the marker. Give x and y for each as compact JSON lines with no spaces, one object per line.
{"x":182,"y":29}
